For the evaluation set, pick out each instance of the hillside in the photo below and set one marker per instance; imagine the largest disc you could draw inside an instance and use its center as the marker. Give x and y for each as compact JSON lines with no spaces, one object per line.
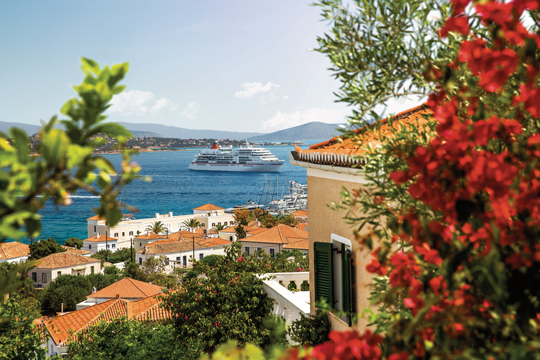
{"x":182,"y":133}
{"x":144,"y":134}
{"x":309,"y":131}
{"x":30,"y":129}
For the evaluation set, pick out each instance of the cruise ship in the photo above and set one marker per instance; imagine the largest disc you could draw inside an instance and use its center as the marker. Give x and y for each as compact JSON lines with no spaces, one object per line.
{"x":244,"y":158}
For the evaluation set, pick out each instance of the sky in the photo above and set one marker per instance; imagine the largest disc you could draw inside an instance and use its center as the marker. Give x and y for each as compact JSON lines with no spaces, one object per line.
{"x":240,"y":65}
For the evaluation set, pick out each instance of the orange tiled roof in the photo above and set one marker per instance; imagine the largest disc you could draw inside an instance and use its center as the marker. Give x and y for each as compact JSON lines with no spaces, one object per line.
{"x":280,"y":234}
{"x":66,"y":327}
{"x":342,"y":152}
{"x":302,"y":213}
{"x":208,"y":207}
{"x":302,"y":244}
{"x":96,"y":217}
{"x":160,"y":242}
{"x":210,"y":242}
{"x":73,"y":250}
{"x":100,"y":238}
{"x":172,"y":247}
{"x":15,"y":249}
{"x":150,"y":236}
{"x":64,"y":259}
{"x":128,"y":289}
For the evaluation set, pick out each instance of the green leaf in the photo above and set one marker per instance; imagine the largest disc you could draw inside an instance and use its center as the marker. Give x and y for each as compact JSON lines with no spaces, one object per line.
{"x":76,"y":155}
{"x":89,"y":66}
{"x":54,"y":146}
{"x":111,"y":129}
{"x":20,"y":141}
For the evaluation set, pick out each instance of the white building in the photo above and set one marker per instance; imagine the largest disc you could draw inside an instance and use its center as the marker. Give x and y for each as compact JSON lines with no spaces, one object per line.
{"x":64,"y":263}
{"x":179,"y":253}
{"x":128,"y":228}
{"x":99,"y":242}
{"x":14,"y":252}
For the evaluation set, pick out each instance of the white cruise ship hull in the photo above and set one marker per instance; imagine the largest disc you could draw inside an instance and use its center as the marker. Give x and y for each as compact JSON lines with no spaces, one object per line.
{"x":272,"y":167}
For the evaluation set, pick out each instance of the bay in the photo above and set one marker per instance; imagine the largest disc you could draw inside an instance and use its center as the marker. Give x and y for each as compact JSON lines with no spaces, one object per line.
{"x":173,"y":188}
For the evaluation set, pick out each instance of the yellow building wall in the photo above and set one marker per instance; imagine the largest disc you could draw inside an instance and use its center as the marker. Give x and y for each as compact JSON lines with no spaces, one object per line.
{"x":323,"y":222}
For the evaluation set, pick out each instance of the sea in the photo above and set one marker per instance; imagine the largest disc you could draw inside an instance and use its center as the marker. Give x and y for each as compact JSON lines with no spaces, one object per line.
{"x":174,"y":188}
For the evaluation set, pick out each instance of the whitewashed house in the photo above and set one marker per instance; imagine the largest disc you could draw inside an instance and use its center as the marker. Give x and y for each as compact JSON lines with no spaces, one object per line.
{"x":100,"y":242}
{"x":14,"y":252}
{"x":64,"y":263}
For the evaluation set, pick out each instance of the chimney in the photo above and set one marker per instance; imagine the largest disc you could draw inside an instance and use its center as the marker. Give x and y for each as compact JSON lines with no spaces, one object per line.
{"x":258,"y":223}
{"x":170,"y":214}
{"x":62,"y":310}
{"x":157,"y":215}
{"x":118,"y":296}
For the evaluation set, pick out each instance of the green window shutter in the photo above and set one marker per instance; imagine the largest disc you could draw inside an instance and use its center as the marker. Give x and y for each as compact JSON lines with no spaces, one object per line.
{"x":346,"y":283}
{"x":324,"y":287}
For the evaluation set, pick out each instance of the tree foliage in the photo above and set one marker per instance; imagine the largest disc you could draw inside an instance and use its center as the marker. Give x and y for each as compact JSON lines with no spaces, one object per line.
{"x":74,"y":242}
{"x":42,"y":248}
{"x":71,"y":290}
{"x":122,"y":255}
{"x":192,"y":223}
{"x":228,"y":302}
{"x":157,"y":227}
{"x":242,"y":216}
{"x":310,"y":330}
{"x":123,"y":338}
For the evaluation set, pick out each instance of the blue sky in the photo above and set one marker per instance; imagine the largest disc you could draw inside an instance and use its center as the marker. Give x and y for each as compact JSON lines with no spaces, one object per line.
{"x":222,"y":65}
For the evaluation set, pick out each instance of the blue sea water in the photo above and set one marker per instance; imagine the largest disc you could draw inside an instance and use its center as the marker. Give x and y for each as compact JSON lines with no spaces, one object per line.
{"x":173,"y":188}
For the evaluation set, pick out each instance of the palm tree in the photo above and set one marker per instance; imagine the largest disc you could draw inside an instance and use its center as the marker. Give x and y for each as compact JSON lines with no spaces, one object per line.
{"x":219,"y":227}
{"x":156,"y":228}
{"x":192,"y":223}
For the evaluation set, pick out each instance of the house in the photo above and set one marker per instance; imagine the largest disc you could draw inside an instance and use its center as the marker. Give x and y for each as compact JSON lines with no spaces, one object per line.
{"x":64,"y":263}
{"x":128,"y":228}
{"x":99,"y":242}
{"x":180,"y":253}
{"x":65,"y":328}
{"x":140,"y":241}
{"x":14,"y":252}
{"x":336,"y":266}
{"x":127,"y":289}
{"x":276,"y":239}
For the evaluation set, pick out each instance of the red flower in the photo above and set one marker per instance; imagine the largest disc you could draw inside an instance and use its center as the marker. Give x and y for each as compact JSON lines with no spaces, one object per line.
{"x":457,"y":24}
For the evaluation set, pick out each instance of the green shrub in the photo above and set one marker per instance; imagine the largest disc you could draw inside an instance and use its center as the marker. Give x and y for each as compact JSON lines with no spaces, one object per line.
{"x":292,"y":286}
{"x":304,"y":286}
{"x":312,"y":330}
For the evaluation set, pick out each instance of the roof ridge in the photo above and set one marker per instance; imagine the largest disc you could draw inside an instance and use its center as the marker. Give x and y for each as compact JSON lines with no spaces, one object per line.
{"x":137,"y":286}
{"x":88,"y":323}
{"x":281,"y":236}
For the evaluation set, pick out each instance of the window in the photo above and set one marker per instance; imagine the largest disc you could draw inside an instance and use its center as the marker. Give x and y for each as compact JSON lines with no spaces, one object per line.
{"x":231,"y":238}
{"x":130,"y":233}
{"x":201,"y":256}
{"x":140,"y":244}
{"x":272,"y":252}
{"x":58,"y":273}
{"x":178,"y":258}
{"x":34,"y":277}
{"x":219,"y":223}
{"x":334,"y":276}
{"x":213,"y":224}
{"x":91,"y":269}
{"x":44,"y":278}
{"x":95,"y":229}
{"x":246,"y":250}
{"x":115,"y":235}
{"x":225,"y":223}
{"x":184,"y":261}
{"x":167,"y":261}
{"x":113,"y":246}
{"x":140,"y":261}
{"x":259,"y":248}
{"x":108,"y":246}
{"x":123,"y":233}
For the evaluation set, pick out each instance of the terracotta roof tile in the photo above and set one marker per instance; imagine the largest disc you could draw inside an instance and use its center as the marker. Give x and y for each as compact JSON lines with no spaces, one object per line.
{"x":64,"y":259}
{"x":15,"y":249}
{"x":73,"y":250}
{"x":128,"y":289}
{"x":342,"y":151}
{"x":280,"y":234}
{"x":208,"y":207}
{"x":302,"y":244}
{"x":66,"y":327}
{"x":96,"y":217}
{"x":100,"y":238}
{"x":150,"y":236}
{"x":301,"y":213}
{"x":210,"y":242}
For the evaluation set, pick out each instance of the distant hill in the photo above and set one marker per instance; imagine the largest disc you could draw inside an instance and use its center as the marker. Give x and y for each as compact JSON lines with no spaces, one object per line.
{"x":310,"y":131}
{"x":144,"y":133}
{"x":181,"y":133}
{"x":30,"y":129}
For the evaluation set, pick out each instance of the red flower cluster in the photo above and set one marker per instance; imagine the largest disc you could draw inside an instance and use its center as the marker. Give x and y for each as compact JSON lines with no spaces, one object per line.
{"x":349,"y":345}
